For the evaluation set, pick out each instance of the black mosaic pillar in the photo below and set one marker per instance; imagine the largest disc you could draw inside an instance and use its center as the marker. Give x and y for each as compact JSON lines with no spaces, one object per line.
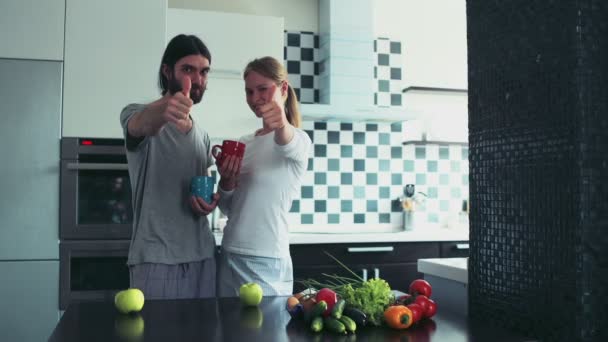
{"x":538,"y":135}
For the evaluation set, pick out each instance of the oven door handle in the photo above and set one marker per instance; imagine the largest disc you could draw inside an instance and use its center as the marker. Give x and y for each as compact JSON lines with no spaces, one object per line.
{"x":98,"y":166}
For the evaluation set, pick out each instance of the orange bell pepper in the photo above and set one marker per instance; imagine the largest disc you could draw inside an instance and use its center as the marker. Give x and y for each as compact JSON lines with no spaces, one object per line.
{"x":398,"y":317}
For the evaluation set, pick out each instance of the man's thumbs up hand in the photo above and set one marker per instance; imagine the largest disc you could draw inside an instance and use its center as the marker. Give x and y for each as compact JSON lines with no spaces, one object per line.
{"x":179,"y":104}
{"x":186,"y":86}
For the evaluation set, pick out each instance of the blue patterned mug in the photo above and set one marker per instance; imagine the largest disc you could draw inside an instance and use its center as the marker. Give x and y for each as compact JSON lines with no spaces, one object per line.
{"x":202,"y":186}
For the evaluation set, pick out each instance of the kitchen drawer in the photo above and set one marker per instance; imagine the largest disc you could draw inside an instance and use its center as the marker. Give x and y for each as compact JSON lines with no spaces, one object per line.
{"x":316,"y":272}
{"x":398,"y":275}
{"x":363,"y":253}
{"x":455,"y":249}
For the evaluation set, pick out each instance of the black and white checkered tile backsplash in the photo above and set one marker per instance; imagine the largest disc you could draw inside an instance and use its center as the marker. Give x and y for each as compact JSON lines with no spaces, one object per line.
{"x":357,"y":170}
{"x":301,"y":54}
{"x":388,"y":73}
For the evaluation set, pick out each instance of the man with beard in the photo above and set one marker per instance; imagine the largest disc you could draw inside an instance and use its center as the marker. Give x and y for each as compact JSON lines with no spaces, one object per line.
{"x":172,"y":251}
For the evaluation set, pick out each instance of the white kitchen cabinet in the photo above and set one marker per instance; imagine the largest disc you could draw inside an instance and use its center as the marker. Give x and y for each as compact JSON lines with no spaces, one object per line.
{"x":438,"y":115}
{"x":223,"y":112}
{"x":29,"y":198}
{"x":435,"y":68}
{"x":29,"y":293}
{"x":233,"y":40}
{"x":433,"y":36}
{"x":435,"y":44}
{"x":29,"y":144}
{"x":32,"y":29}
{"x":112,"y":56}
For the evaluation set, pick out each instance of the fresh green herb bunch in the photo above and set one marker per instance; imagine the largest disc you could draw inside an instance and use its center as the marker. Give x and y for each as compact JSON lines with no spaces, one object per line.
{"x":370,"y":296}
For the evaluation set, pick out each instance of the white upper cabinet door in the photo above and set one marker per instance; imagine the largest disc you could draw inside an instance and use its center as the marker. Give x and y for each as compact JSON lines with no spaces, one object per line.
{"x":223,"y":112}
{"x":233,"y":40}
{"x":32,"y":29}
{"x":442,"y":116}
{"x":433,"y":35}
{"x":435,"y":48}
{"x":113,"y":50}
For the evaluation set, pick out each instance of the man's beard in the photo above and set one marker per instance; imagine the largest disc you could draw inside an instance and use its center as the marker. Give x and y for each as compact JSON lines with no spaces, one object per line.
{"x":196,"y":92}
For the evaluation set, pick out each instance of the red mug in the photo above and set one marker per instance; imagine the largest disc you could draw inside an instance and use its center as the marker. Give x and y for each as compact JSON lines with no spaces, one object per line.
{"x":228,"y":148}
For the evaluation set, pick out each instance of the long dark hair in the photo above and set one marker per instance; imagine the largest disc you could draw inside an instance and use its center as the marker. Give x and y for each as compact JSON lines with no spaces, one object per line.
{"x":269,"y":67}
{"x":180,"y":46}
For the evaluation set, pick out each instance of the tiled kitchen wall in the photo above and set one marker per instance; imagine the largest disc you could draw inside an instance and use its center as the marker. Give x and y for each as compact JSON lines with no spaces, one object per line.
{"x":301,"y":53}
{"x":357,"y":170}
{"x":387,"y":72}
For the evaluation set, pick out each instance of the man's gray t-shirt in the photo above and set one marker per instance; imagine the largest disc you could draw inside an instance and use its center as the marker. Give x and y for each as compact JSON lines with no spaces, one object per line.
{"x":165,"y":229}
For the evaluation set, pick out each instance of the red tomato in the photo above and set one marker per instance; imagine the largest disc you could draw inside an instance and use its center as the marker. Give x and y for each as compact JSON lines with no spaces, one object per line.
{"x":420,"y":287}
{"x":417,"y":312}
{"x":329,"y":296}
{"x":431,"y":308}
{"x":423,"y":301}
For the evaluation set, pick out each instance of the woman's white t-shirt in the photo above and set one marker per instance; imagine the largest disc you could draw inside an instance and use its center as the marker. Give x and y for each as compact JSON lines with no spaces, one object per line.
{"x":270,"y":178}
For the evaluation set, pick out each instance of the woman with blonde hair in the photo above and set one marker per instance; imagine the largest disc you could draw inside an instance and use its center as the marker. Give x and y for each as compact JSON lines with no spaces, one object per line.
{"x":256,"y":192}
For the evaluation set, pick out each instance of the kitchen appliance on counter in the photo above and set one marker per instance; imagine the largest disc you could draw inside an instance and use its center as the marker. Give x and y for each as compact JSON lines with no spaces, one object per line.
{"x":411,"y":203}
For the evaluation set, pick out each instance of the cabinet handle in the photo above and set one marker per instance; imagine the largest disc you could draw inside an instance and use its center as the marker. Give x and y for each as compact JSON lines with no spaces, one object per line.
{"x":97,"y":166}
{"x":364,"y":274}
{"x":462,"y":246}
{"x":376,"y":273}
{"x":370,"y":249}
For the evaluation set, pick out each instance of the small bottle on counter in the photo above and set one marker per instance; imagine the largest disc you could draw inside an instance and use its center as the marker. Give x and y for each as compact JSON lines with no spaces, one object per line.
{"x":463,"y":215}
{"x":408,"y":205}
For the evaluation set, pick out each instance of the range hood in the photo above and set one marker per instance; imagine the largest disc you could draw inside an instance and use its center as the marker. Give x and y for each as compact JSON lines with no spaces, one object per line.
{"x":346,"y":66}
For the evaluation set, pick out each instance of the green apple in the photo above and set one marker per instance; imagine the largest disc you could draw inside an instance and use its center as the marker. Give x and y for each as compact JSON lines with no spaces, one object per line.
{"x":251,"y":294}
{"x":251,"y":317}
{"x":131,"y":300}
{"x":129,"y":327}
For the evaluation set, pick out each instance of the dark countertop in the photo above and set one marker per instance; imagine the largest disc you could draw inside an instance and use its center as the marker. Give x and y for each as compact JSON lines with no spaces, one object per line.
{"x":426,"y":233}
{"x":225,"y":320}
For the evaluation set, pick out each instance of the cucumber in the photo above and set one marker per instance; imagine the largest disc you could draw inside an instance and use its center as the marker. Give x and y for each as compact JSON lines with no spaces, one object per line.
{"x":336,"y":311}
{"x":356,"y":315}
{"x":316,"y":310}
{"x":317,"y":324}
{"x":349,"y":324}
{"x":334,"y":325}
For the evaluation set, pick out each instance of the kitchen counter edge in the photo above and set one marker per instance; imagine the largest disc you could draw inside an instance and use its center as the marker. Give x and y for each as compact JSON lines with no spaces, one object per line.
{"x":429,"y":235}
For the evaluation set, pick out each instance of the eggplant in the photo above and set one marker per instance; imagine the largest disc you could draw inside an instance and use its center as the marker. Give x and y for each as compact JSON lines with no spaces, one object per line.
{"x":356,"y":315}
{"x":297,"y":311}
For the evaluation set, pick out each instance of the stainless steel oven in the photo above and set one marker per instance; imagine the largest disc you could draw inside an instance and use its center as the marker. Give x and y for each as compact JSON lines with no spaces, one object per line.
{"x":92,"y":270}
{"x":96,"y":218}
{"x":95,"y":194}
